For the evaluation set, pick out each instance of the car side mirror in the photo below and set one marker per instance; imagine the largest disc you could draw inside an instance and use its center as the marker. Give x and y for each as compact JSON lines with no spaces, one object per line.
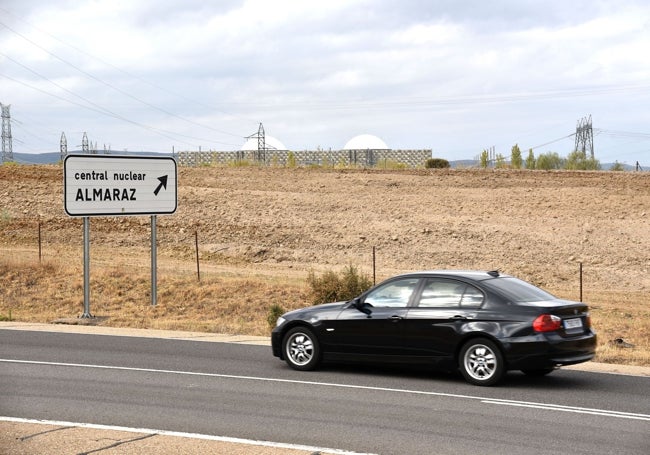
{"x":361,"y":306}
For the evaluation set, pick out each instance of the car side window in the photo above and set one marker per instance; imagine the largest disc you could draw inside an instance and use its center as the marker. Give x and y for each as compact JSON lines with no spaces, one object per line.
{"x":472,"y":298}
{"x":444,"y":293}
{"x":396,"y":293}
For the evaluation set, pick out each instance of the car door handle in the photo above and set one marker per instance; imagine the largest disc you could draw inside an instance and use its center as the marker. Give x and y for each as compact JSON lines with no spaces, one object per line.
{"x":459,"y":317}
{"x":396,"y":318}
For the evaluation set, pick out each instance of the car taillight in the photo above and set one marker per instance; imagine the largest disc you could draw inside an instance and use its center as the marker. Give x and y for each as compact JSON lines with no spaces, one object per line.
{"x":547,"y":323}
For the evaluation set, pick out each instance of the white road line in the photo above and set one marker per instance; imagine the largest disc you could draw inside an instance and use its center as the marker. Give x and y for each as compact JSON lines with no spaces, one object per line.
{"x":207,"y":437}
{"x":487,"y":400}
{"x":555,"y":407}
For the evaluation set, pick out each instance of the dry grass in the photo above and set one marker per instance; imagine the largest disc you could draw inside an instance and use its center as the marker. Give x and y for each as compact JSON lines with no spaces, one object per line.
{"x":626,"y":316}
{"x":235,"y":305}
{"x":240,"y":303}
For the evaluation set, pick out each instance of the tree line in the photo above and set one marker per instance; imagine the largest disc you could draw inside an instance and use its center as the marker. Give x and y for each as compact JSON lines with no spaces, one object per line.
{"x":576,"y":160}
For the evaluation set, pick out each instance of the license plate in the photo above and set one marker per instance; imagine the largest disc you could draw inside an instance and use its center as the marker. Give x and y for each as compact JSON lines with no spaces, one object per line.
{"x":575,"y":323}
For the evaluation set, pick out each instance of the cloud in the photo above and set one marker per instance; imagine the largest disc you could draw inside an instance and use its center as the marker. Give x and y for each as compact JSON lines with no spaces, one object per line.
{"x":449,"y":75}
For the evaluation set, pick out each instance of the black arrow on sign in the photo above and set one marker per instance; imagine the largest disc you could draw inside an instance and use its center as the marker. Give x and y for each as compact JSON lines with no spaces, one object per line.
{"x":163,"y":183}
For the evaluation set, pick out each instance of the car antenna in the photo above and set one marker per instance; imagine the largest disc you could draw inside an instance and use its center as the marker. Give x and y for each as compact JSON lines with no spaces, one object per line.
{"x":494,"y":273}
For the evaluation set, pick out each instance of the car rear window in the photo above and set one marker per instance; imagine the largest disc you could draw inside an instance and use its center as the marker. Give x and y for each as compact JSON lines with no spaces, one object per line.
{"x":445,"y":293}
{"x":517,"y":290}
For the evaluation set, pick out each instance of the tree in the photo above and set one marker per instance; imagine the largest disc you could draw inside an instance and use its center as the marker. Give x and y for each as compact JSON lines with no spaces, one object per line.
{"x":500,"y":161}
{"x":617,"y":166}
{"x":515,"y":157}
{"x":530,"y":161}
{"x":578,"y":161}
{"x":548,"y":161}
{"x":484,"y":159}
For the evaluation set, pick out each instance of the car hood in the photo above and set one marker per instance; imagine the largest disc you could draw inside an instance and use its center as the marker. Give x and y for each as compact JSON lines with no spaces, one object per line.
{"x":325,"y":308}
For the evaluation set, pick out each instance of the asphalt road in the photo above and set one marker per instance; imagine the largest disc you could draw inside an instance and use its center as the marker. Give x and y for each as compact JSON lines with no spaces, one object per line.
{"x":241,"y":391}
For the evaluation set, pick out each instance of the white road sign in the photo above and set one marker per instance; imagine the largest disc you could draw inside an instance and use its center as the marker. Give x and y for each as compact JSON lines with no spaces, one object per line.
{"x":99,"y":185}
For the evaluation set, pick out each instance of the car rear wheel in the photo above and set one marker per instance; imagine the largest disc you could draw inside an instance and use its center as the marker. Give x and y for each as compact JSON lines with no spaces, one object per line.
{"x":301,"y":349}
{"x":481,"y":362}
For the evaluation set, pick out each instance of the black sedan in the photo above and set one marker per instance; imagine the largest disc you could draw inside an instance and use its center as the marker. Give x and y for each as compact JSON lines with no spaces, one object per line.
{"x":482,"y":323}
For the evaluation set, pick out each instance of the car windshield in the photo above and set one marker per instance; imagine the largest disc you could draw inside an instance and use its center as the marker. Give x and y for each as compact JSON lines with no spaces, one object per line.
{"x":517,"y":290}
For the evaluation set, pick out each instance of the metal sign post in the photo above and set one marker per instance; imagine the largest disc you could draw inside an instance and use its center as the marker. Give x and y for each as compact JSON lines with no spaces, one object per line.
{"x":154,"y":261}
{"x":86,"y":313}
{"x":114,"y":185}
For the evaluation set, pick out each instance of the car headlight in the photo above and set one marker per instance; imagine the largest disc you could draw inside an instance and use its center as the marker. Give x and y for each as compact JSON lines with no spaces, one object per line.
{"x":280,"y":321}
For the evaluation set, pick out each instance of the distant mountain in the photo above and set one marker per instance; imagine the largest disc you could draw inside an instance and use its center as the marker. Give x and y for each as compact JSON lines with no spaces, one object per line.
{"x":53,"y":158}
{"x":36,"y":158}
{"x":626,"y":167}
{"x":463,"y":164}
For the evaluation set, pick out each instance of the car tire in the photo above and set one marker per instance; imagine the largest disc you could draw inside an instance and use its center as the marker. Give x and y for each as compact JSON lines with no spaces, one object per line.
{"x":538,"y":372}
{"x":301,"y":349}
{"x":481,"y":362}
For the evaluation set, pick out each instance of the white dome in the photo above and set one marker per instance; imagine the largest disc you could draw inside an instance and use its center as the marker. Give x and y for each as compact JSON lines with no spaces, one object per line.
{"x":365,"y":142}
{"x":271,"y":143}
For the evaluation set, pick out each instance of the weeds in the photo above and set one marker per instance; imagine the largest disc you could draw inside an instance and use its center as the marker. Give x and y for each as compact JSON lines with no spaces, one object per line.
{"x":6,"y":318}
{"x":274,"y":313}
{"x":331,"y":287}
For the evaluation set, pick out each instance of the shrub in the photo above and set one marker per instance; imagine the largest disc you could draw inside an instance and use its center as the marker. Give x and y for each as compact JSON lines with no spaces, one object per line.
{"x":239,"y":163}
{"x":391,"y":164}
{"x":291,"y":160}
{"x":548,"y":161}
{"x":274,"y":313}
{"x":331,"y":287}
{"x":6,"y":318}
{"x":5,"y":215}
{"x":579,"y":161}
{"x":436,"y":163}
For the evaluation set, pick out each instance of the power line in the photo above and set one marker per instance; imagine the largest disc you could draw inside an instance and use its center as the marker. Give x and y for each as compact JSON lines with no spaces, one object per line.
{"x":553,"y":141}
{"x":21,"y":128}
{"x":624,"y":134}
{"x":101,"y":110}
{"x":423,"y":102}
{"x":123,"y":71}
{"x":117,"y":89}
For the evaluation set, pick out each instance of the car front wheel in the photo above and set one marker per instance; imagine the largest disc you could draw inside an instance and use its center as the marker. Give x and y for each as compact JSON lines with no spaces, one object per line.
{"x":481,"y":362}
{"x":301,"y":349}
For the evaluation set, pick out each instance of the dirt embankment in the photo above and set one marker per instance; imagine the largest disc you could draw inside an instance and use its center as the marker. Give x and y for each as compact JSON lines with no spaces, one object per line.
{"x":537,"y":225}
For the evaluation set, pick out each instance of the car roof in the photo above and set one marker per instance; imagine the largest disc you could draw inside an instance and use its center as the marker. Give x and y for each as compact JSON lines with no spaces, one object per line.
{"x":477,"y":275}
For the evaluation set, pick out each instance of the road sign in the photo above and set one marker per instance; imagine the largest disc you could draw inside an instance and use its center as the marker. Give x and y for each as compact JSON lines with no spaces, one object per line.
{"x":100,"y":185}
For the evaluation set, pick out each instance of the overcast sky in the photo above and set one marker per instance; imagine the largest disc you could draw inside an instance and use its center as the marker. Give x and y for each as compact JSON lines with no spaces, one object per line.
{"x":453,"y":76}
